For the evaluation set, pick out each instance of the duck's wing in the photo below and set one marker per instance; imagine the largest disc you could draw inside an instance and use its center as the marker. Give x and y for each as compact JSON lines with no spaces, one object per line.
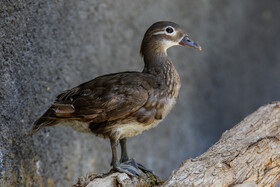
{"x":104,"y":98}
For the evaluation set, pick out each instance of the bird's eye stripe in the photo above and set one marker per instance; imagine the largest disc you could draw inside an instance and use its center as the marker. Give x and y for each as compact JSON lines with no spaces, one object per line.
{"x":167,"y":30}
{"x":160,"y":32}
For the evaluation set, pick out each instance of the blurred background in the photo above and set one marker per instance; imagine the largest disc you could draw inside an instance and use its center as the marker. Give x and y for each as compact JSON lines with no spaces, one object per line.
{"x":49,"y":46}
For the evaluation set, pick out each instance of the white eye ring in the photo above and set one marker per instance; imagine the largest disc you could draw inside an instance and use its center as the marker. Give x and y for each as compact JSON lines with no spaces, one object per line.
{"x":173,"y":31}
{"x":165,"y":31}
{"x":169,"y":30}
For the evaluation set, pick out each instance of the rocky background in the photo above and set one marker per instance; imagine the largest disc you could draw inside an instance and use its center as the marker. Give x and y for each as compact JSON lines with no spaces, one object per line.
{"x":49,"y":46}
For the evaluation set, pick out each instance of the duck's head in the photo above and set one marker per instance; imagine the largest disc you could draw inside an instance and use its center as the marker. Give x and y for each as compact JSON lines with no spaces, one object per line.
{"x":163,"y":35}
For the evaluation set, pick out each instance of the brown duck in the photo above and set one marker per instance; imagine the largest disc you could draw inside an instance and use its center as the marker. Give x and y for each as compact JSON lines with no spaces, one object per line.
{"x":121,"y":105}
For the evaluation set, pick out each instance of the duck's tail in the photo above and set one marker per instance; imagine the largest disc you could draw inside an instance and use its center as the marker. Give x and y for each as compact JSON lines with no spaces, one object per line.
{"x":47,"y":119}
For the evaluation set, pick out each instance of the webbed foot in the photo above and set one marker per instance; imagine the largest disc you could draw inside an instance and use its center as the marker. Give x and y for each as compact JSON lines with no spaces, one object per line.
{"x":137,"y":165}
{"x":129,"y":168}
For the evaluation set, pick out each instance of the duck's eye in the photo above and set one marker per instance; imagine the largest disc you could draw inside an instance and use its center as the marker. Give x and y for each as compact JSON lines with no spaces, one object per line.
{"x":169,"y":29}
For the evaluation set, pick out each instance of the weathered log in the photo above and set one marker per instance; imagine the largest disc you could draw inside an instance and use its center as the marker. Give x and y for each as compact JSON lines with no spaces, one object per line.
{"x":249,"y":153}
{"x":246,"y":155}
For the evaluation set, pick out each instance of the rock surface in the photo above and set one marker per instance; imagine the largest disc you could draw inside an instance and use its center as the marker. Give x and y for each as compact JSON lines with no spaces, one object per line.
{"x":49,"y":46}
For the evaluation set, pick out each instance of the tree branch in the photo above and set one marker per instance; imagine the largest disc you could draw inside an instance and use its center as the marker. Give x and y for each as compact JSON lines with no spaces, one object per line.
{"x":247,"y":153}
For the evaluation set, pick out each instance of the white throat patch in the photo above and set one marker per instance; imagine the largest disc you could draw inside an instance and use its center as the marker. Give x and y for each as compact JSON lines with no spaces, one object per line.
{"x":168,"y":43}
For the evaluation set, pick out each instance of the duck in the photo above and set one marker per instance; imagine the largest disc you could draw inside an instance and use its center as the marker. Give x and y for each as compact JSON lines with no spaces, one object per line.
{"x":121,"y":105}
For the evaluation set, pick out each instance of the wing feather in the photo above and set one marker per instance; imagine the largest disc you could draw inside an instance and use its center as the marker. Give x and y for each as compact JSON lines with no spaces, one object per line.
{"x":105,"y":98}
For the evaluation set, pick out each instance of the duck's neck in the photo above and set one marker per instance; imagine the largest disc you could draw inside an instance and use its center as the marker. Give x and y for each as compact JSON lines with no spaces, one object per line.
{"x":160,"y":65}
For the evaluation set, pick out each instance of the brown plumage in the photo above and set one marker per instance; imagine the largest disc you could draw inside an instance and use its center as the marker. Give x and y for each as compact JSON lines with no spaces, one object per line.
{"x":121,"y":105}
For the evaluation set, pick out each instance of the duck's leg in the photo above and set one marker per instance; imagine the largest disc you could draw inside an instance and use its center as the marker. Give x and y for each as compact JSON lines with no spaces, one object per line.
{"x":127,"y":168}
{"x":124,"y":156}
{"x":126,"y":160}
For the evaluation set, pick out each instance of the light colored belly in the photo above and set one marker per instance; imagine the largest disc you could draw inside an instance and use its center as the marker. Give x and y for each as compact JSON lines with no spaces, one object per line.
{"x":136,"y":128}
{"x":133,"y":129}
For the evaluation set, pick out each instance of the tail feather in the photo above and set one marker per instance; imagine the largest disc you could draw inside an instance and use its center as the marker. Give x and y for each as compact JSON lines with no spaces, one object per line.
{"x":47,"y":119}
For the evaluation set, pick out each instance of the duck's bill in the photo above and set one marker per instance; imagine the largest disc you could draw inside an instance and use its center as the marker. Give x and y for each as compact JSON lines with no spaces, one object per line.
{"x":186,"y":41}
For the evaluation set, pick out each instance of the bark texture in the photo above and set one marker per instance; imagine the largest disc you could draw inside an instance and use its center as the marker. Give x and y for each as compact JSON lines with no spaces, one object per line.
{"x":246,"y":155}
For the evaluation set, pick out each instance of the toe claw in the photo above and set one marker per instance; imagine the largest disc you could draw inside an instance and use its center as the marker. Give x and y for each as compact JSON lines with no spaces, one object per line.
{"x":143,"y":168}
